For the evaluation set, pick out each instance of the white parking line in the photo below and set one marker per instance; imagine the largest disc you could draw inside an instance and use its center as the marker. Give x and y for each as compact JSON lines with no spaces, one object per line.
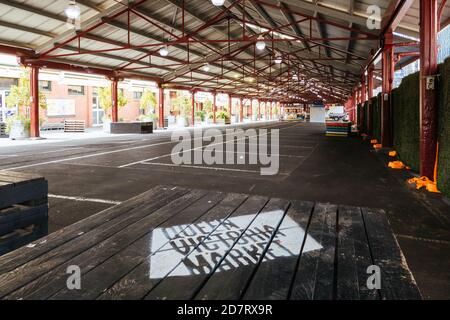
{"x":192,"y":149}
{"x":199,"y":167}
{"x":104,"y":153}
{"x":57,"y":196}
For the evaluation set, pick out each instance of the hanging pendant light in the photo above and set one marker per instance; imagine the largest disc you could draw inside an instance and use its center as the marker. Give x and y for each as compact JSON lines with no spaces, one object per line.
{"x":218,"y":3}
{"x":278,"y":60}
{"x":72,"y":11}
{"x":260,"y":44}
{"x":206,"y":67}
{"x":164,"y":51}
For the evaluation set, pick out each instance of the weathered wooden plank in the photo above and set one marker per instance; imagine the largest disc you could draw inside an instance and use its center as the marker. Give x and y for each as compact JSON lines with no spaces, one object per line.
{"x":19,"y":216}
{"x":273,"y":277}
{"x":23,"y":192}
{"x":5,"y":185}
{"x":97,"y":278}
{"x":20,"y":256}
{"x":148,"y":274}
{"x":397,"y":282}
{"x":353,"y":257}
{"x":31,"y":270}
{"x":18,"y":178}
{"x":233,"y":273}
{"x":314,"y":277}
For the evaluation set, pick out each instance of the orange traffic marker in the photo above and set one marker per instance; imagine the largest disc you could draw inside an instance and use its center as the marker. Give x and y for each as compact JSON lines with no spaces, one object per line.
{"x":392,"y":153}
{"x":396,"y":165}
{"x":424,"y":182}
{"x":374,"y":141}
{"x":377,"y":146}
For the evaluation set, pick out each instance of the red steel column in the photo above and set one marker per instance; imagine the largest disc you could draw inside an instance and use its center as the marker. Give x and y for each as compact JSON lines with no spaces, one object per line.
{"x":258,"y":112}
{"x":161,"y":107}
{"x":369,"y":98}
{"x":428,"y":71}
{"x":363,"y":89}
{"x":241,"y":110}
{"x":115,"y":100}
{"x":271,"y":110}
{"x":193,"y":107}
{"x":214,"y":108}
{"x":250,"y":110}
{"x":34,"y":102}
{"x":388,"y":78}
{"x":230,"y":105}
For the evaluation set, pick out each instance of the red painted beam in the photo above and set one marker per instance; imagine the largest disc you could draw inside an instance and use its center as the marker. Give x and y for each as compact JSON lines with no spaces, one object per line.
{"x":214,"y":106}
{"x":428,"y":99}
{"x":387,"y":81}
{"x":115,"y":100}
{"x":241,"y":110}
{"x":19,"y":52}
{"x":395,"y":13}
{"x":34,"y":102}
{"x":193,"y":107}
{"x":161,"y":107}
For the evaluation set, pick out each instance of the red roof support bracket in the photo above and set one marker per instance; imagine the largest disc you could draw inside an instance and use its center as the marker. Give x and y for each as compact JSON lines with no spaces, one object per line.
{"x":428,"y":101}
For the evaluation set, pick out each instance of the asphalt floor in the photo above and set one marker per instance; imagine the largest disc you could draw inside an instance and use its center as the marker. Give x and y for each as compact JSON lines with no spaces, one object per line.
{"x":88,"y":175}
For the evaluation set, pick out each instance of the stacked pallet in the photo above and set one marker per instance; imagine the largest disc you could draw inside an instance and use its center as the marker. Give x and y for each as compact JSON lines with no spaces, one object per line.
{"x":2,"y":129}
{"x":23,"y":209}
{"x":74,"y":125}
{"x":338,"y":129}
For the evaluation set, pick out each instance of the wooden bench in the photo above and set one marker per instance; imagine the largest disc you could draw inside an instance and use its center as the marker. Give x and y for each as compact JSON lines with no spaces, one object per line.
{"x":53,"y":126}
{"x":23,"y":209}
{"x":74,"y":125}
{"x":178,"y":243}
{"x":131,"y":127}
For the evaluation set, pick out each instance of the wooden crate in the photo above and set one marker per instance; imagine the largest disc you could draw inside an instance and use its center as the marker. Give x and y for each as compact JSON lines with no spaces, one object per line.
{"x":23,"y":209}
{"x":74,"y":125}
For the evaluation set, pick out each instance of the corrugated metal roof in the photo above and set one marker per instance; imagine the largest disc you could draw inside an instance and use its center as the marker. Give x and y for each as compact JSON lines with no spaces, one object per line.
{"x":336,"y":62}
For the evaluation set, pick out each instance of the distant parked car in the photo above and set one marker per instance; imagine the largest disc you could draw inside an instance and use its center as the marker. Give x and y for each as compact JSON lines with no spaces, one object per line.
{"x":337,"y":116}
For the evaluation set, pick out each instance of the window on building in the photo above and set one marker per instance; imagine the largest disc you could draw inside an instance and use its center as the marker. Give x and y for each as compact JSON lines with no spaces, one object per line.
{"x":76,"y":90}
{"x":45,"y":86}
{"x":137,"y":95}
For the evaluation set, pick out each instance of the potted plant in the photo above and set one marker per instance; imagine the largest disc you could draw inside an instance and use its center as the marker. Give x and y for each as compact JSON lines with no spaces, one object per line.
{"x":18,"y":124}
{"x":105,"y":102}
{"x":222,"y":117}
{"x":182,"y":107}
{"x":200,"y":116}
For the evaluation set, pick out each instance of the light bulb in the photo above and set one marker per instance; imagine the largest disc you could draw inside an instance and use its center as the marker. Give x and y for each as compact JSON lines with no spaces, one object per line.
{"x":164,"y":51}
{"x":260,"y":44}
{"x":278,"y":60}
{"x":206,"y":67}
{"x":72,"y":11}
{"x":218,"y":3}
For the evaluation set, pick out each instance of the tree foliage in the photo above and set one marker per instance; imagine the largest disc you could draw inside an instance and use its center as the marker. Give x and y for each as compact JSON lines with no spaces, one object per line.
{"x":148,"y":101}
{"x":105,"y":98}
{"x":19,"y":96}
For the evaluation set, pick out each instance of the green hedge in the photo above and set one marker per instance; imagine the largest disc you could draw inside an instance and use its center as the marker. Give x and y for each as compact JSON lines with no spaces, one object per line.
{"x":376,"y":117}
{"x":444,"y":128}
{"x":406,"y":121}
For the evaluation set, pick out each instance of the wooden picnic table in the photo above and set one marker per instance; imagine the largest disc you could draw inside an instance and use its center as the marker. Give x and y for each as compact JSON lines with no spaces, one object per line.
{"x":179,"y":243}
